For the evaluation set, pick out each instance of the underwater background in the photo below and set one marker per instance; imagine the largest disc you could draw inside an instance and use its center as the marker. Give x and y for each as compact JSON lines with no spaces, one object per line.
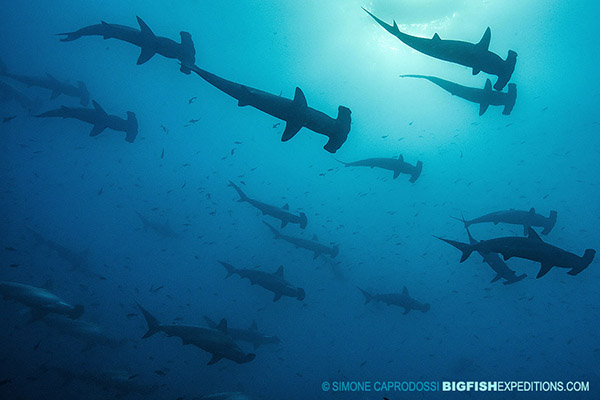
{"x":85,"y":193}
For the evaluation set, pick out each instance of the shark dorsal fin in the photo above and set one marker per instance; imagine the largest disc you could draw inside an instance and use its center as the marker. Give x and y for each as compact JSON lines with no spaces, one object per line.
{"x":395,"y":26}
{"x":315,"y":238}
{"x":253,"y":326}
{"x":98,"y":107}
{"x":532,"y":210}
{"x":286,"y":206}
{"x":279,"y":272}
{"x":144,"y":27}
{"x":488,"y":85}
{"x":53,"y":79}
{"x":299,"y":99}
{"x":222,"y":325}
{"x":533,"y":235}
{"x":404,"y":291}
{"x":401,"y":158}
{"x":436,"y":37}
{"x":485,"y":40}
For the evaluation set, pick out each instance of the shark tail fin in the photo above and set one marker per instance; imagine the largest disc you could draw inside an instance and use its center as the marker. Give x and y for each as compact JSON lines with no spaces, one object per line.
{"x":585,"y":261}
{"x":303,"y":220}
{"x":416,"y":172}
{"x":550,"y":222}
{"x":131,"y":127}
{"x":230,"y":269}
{"x":509,"y":68}
{"x":342,"y":128}
{"x":368,"y":296}
{"x":465,"y":248}
{"x":76,"y":312}
{"x":511,"y":98}
{"x":153,"y":324}
{"x":243,"y":196}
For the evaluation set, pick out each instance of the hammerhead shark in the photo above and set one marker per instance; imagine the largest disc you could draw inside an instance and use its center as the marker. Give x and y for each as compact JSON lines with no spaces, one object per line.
{"x":273,"y":282}
{"x":282,"y":213}
{"x":144,"y":38}
{"x":251,"y":335}
{"x":393,"y":164}
{"x":472,"y":55}
{"x":162,"y":229}
{"x":530,"y":248}
{"x":51,"y":83}
{"x":9,"y":92}
{"x":215,"y":341}
{"x":397,"y":299}
{"x":312,"y":245}
{"x":99,"y":118}
{"x":296,"y":113}
{"x":516,"y":217}
{"x":484,"y":97}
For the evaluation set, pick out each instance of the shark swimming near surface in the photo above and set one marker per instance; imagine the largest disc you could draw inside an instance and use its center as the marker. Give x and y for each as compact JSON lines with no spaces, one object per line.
{"x":312,"y":245}
{"x":484,"y":97}
{"x":273,"y":282}
{"x":516,"y":217}
{"x":472,"y":55}
{"x":215,"y":341}
{"x":397,"y":299}
{"x":99,"y":118}
{"x":296,"y":113}
{"x":397,"y":165}
{"x":531,"y":248}
{"x":145,"y":39}
{"x":281,"y":213}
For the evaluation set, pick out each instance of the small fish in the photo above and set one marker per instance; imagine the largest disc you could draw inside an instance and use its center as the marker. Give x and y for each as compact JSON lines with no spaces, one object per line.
{"x":131,"y":315}
{"x":182,"y":186}
{"x":363,"y":363}
{"x":152,"y":290}
{"x":8,"y":119}
{"x":5,"y":381}
{"x":193,"y":121}
{"x":191,"y":100}
{"x":162,"y":154}
{"x":237,"y":142}
{"x":160,"y":372}
{"x":164,"y":128}
{"x":132,"y":377}
{"x":14,"y":265}
{"x":9,"y":248}
{"x":37,"y":345}
{"x":232,"y":151}
{"x":100,"y":191}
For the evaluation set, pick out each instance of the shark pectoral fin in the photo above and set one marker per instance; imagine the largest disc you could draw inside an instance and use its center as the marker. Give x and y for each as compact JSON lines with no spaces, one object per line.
{"x":496,"y":278}
{"x":506,"y":256}
{"x":55,"y":94}
{"x":476,"y":71}
{"x":284,"y":222}
{"x":291,"y":128}
{"x":215,"y":358}
{"x":146,"y":54}
{"x":286,"y":206}
{"x":277,"y":297}
{"x":406,"y":310}
{"x":485,"y":40}
{"x":483,"y":108}
{"x":97,"y":129}
{"x":404,"y":291}
{"x":279,"y":273}
{"x":544,"y":270}
{"x":396,"y":173}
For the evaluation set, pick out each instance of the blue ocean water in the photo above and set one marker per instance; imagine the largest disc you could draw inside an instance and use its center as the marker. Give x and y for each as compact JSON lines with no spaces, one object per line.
{"x":82,"y":196}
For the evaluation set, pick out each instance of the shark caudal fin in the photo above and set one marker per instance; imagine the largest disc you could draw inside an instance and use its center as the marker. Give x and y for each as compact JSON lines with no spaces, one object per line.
{"x":300,"y":294}
{"x":303,"y":220}
{"x":275,"y":231}
{"x":511,"y":98}
{"x":416,"y":172}
{"x":368,"y":296}
{"x":342,"y":128}
{"x":84,"y":94}
{"x":189,"y":57}
{"x":243,"y":196}
{"x":509,"y":68}
{"x":585,"y":262}
{"x":131,"y":129}
{"x":230,"y":269}
{"x":465,"y":248}
{"x":77,"y":312}
{"x":550,"y":222}
{"x":148,"y":49}
{"x":151,"y":321}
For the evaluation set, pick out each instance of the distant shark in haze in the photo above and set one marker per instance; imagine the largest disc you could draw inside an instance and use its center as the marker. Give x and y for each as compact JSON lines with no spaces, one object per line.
{"x":517,"y":217}
{"x":397,"y":165}
{"x":9,"y":92}
{"x":273,"y":282}
{"x":312,"y":245}
{"x":91,"y":334}
{"x":51,"y":83}
{"x":472,"y":55}
{"x":215,"y":341}
{"x":77,"y":259}
{"x":296,"y":113}
{"x":484,"y":97}
{"x":530,"y":248}
{"x":397,"y":299}
{"x":40,"y":300}
{"x":160,"y":228}
{"x":250,"y":335}
{"x":99,"y":118}
{"x":497,"y":264}
{"x":145,"y":39}
{"x":281,"y":213}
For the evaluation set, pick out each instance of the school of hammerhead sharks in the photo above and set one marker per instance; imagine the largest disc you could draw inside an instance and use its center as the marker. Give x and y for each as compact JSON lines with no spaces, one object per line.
{"x":219,"y":340}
